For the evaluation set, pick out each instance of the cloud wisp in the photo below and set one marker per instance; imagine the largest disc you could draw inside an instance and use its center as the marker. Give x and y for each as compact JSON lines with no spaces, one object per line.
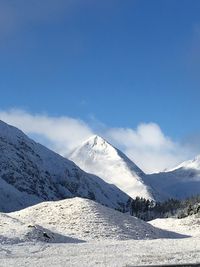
{"x":61,"y":134}
{"x":146,"y":145}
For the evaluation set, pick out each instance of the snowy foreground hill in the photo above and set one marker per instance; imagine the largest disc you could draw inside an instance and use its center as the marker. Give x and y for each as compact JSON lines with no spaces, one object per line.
{"x":99,"y":157}
{"x":81,"y":232}
{"x":85,"y":220}
{"x":30,"y":173}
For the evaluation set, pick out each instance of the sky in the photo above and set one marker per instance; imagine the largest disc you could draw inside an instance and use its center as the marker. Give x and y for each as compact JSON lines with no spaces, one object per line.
{"x":126,"y":70}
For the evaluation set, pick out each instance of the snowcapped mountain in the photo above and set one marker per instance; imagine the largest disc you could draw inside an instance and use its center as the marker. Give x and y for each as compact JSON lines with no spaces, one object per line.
{"x":180,"y":182}
{"x":99,"y":157}
{"x":193,"y":164}
{"x":31,"y":173}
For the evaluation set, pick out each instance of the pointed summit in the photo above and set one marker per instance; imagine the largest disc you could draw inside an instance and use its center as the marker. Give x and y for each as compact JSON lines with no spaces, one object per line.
{"x":98,"y":145}
{"x":99,"y":157}
{"x":96,"y":141}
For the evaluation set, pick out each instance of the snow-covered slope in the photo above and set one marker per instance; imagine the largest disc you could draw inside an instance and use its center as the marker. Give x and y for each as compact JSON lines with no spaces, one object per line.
{"x":30,"y":173}
{"x":15,"y":231}
{"x":187,"y":226}
{"x":99,"y":157}
{"x":85,"y":220}
{"x":180,"y":182}
{"x":193,"y":164}
{"x":11,"y":198}
{"x":41,"y":236}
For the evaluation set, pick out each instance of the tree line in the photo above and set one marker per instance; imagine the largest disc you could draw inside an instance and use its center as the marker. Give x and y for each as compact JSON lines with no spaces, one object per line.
{"x":146,"y":209}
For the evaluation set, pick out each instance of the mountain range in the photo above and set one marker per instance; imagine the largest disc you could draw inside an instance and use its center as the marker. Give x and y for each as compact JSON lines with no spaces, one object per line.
{"x":31,"y":173}
{"x":99,"y":157}
{"x":181,"y":182}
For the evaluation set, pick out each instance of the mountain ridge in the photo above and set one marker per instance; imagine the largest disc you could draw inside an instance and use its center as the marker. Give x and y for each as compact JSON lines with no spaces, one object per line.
{"x":188,"y":164}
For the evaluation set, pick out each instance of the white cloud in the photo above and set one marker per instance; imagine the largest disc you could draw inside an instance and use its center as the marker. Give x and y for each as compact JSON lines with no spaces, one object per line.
{"x":147,"y":134}
{"x":60,"y":133}
{"x":146,"y":145}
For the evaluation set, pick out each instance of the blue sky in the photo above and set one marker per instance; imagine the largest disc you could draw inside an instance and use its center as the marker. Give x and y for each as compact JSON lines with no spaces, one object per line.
{"x":118,"y":63}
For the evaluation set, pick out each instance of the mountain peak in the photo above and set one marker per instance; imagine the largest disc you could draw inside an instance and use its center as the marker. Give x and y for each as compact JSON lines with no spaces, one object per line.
{"x":190,"y":164}
{"x":96,"y":140}
{"x":99,"y":157}
{"x":96,"y":144}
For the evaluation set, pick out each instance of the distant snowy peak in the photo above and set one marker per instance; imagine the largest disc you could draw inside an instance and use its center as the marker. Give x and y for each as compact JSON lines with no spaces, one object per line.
{"x":180,"y":182}
{"x":99,"y":157}
{"x":189,"y":164}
